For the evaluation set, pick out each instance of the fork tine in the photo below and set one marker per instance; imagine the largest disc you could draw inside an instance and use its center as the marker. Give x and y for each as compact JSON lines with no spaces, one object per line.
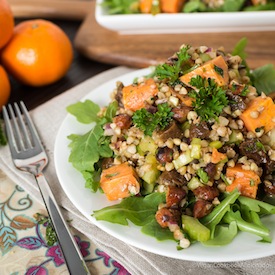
{"x":11,"y":140}
{"x":32,"y":129}
{"x":24,"y":131}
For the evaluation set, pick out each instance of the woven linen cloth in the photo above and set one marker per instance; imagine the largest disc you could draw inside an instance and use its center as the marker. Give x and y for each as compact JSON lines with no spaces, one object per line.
{"x":48,"y":118}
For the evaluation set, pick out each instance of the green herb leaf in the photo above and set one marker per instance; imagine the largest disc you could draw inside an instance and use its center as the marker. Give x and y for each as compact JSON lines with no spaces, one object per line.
{"x":262,"y":208}
{"x":85,"y":112}
{"x":149,"y":122}
{"x":172,"y":72}
{"x":239,"y":48}
{"x":210,"y":99}
{"x":153,"y":229}
{"x":263,"y":78}
{"x":223,"y":235}
{"x":121,"y":6}
{"x":194,"y":6}
{"x":259,"y":230}
{"x":233,"y":5}
{"x":139,"y":210}
{"x":214,"y":218}
{"x":50,"y":237}
{"x":88,"y":149}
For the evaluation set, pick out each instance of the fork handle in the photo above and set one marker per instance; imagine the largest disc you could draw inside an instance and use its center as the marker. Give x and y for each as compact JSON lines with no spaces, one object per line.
{"x":72,"y":255}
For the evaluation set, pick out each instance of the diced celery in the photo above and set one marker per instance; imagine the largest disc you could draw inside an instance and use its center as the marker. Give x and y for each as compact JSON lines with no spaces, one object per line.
{"x":196,"y":148}
{"x":194,"y":183}
{"x":151,"y":176}
{"x":235,"y":137}
{"x":183,"y":159}
{"x":146,"y":145}
{"x":147,"y":188}
{"x":216,"y":144}
{"x":195,"y":230}
{"x":205,"y":57}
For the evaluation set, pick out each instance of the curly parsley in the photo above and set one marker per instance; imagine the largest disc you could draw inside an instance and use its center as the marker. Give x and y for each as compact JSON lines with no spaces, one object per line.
{"x":210,"y":99}
{"x":51,"y":237}
{"x":172,"y":72}
{"x":149,"y":122}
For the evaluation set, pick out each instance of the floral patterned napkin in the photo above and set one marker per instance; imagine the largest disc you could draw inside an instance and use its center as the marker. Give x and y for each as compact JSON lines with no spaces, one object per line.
{"x":23,"y":244}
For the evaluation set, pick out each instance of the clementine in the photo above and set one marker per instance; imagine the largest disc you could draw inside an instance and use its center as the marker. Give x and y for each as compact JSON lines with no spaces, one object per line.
{"x":6,"y":22}
{"x":4,"y":87}
{"x":39,"y":53}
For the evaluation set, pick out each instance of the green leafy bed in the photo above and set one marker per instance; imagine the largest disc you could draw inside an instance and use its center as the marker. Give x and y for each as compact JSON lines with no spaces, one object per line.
{"x":234,"y":213}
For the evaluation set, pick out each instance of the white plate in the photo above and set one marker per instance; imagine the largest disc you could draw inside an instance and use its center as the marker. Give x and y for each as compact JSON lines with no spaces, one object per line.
{"x":244,"y":247}
{"x":186,"y":22}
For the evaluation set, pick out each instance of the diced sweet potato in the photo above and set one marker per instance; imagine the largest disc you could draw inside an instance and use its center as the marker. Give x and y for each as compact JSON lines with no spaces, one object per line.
{"x":246,"y":181}
{"x":145,"y":6}
{"x":215,"y":68}
{"x":171,"y":6}
{"x":135,"y":96}
{"x":119,"y":181}
{"x":259,"y":114}
{"x":217,"y":156}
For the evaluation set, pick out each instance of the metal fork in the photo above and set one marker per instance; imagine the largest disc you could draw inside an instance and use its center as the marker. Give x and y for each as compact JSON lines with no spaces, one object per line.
{"x":29,"y":155}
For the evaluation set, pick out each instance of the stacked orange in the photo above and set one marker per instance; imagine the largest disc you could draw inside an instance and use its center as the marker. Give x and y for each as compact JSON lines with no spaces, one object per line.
{"x":35,"y":52}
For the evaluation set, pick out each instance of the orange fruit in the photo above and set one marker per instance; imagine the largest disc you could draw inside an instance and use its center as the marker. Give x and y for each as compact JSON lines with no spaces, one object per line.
{"x":5,"y":87}
{"x":39,"y":53}
{"x":6,"y":23}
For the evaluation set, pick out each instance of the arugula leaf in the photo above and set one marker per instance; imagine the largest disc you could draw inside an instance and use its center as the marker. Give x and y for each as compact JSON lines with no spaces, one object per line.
{"x":260,"y":207}
{"x":239,"y":48}
{"x":268,"y":6}
{"x":121,"y":6}
{"x":249,"y":227}
{"x":153,"y":229}
{"x":88,"y":149}
{"x":149,"y":122}
{"x":194,"y":6}
{"x":210,"y":99}
{"x":139,"y":210}
{"x":263,"y":78}
{"x":85,"y":112}
{"x":172,"y":72}
{"x":223,"y":235}
{"x":214,"y":218}
{"x":233,"y":5}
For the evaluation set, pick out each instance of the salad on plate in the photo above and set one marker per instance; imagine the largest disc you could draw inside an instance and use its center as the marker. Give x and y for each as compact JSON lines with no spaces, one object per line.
{"x":182,"y":6}
{"x":187,"y":152}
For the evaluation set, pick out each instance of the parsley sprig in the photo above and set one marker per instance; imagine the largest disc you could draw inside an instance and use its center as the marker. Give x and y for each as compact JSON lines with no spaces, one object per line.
{"x":149,"y":122}
{"x":172,"y":72}
{"x":51,"y":237}
{"x":210,"y":99}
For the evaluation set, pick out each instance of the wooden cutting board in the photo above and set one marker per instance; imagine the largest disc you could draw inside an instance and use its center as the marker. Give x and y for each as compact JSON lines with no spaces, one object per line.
{"x":103,"y":45}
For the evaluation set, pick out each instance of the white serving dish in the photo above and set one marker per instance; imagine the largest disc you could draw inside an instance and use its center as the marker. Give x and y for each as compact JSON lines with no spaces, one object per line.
{"x":186,"y":22}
